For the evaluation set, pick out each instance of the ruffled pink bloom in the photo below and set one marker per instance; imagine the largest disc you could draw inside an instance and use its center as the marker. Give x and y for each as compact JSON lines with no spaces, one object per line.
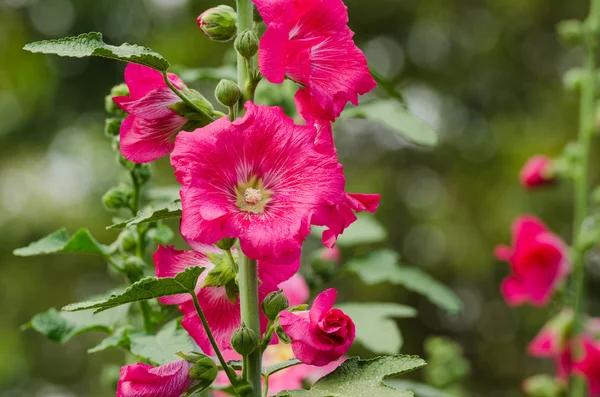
{"x":296,"y":290}
{"x":143,"y":380}
{"x":149,"y":131}
{"x":538,"y":261}
{"x":536,"y":172}
{"x":589,"y":365}
{"x":309,"y":42}
{"x":260,"y":179}
{"x":222,"y":315}
{"x":321,"y":335}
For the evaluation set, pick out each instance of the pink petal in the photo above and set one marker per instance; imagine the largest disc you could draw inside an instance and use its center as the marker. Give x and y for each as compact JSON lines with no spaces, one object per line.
{"x":322,"y":304}
{"x":143,"y":141}
{"x":512,"y":290}
{"x":271,"y":58}
{"x":154,"y":105}
{"x":143,"y":380}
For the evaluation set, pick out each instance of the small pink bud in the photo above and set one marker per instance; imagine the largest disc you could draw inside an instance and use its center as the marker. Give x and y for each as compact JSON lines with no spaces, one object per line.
{"x":537,"y":171}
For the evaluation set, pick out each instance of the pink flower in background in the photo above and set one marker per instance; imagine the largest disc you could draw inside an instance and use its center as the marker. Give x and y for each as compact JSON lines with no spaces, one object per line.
{"x":538,"y":260}
{"x":144,"y":380}
{"x":321,"y":335}
{"x":222,"y":315}
{"x":553,"y":342}
{"x":309,"y":42}
{"x":261,"y":180}
{"x":296,"y":290}
{"x":589,"y":365}
{"x":536,"y":172}
{"x":149,"y":131}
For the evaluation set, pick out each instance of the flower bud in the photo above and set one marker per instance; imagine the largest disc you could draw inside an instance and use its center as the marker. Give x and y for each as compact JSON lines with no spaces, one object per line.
{"x":110,"y":106}
{"x":570,"y":31}
{"x":204,"y":370}
{"x":142,"y":173}
{"x":218,"y":23}
{"x":115,"y":144}
{"x":127,"y":240}
{"x":573,"y":79}
{"x":274,"y":303}
{"x":246,"y":44}
{"x":117,"y":197}
{"x":134,"y":268}
{"x":537,"y":171}
{"x":226,"y":243}
{"x":227,"y":93}
{"x":244,"y":340}
{"x":542,"y":386}
{"x":112,"y":126}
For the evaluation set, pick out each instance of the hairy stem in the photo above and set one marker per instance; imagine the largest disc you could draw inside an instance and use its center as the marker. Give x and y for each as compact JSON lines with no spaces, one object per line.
{"x":248,"y":280}
{"x":245,"y":10}
{"x":587,"y":118}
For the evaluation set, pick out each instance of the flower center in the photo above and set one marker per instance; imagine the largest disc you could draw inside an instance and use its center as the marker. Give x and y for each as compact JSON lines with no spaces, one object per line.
{"x":252,"y":196}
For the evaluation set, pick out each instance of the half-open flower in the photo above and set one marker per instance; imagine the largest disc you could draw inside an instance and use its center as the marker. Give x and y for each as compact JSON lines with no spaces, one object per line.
{"x":537,"y":171}
{"x":144,"y":380}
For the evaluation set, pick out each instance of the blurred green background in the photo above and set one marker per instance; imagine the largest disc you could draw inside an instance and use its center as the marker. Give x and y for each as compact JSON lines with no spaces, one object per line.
{"x":485,"y":73}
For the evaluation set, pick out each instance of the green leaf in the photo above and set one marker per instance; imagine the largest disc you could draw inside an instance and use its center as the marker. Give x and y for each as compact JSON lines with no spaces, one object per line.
{"x":120,"y":338}
{"x":147,"y":288}
{"x":60,"y":241}
{"x":91,"y":44}
{"x":382,"y":266}
{"x":60,"y":326}
{"x":375,"y":328}
{"x":420,"y":389}
{"x":151,"y":214}
{"x":162,"y":347}
{"x":393,"y":115}
{"x":271,"y":369}
{"x":361,"y":378}
{"x":366,"y":230}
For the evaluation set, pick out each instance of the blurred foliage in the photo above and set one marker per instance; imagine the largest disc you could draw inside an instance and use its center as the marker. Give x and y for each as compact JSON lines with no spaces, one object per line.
{"x":486,"y":74}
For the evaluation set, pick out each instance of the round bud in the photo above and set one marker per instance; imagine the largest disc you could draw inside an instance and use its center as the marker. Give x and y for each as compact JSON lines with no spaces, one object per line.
{"x":246,"y":44}
{"x":112,"y":126}
{"x":117,"y":197}
{"x":127,"y":240}
{"x":226,"y":243}
{"x":142,"y":173}
{"x":244,"y":340}
{"x":227,"y":93}
{"x":570,"y":31}
{"x":573,"y":79}
{"x":218,"y":23}
{"x":274,"y":303}
{"x":204,"y":370}
{"x":134,"y":268}
{"x":109,"y":105}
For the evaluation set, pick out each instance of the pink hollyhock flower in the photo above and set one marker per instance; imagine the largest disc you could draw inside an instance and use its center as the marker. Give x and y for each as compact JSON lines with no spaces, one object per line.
{"x":589,"y":365}
{"x":260,"y":179}
{"x":553,"y":342}
{"x":143,"y":380}
{"x":222,"y":315}
{"x":321,"y":335}
{"x":295,"y":289}
{"x":538,"y":261}
{"x":537,"y":172}
{"x":309,"y":42}
{"x":149,"y":131}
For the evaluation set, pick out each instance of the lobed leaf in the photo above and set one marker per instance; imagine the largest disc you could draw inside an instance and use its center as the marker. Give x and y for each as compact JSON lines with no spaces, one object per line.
{"x":392,"y":114}
{"x":420,"y":389}
{"x":60,"y":241}
{"x":361,"y":378}
{"x":119,"y":338}
{"x":151,"y":214}
{"x":162,"y":347}
{"x":382,"y":266}
{"x":146,"y":288}
{"x":375,"y":328}
{"x":91,"y":44}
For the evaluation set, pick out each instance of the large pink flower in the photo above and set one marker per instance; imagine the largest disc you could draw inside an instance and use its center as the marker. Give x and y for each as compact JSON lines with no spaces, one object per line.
{"x":149,"y":131}
{"x":309,"y":42}
{"x":222,"y":315}
{"x":143,"y":380}
{"x":538,"y":261}
{"x":260,"y":179}
{"x":589,"y":365}
{"x":537,"y":172}
{"x":321,"y":335}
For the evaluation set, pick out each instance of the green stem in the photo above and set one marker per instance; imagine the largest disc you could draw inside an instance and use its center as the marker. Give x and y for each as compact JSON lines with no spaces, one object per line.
{"x":187,"y":100}
{"x":266,"y":389}
{"x":248,"y":282}
{"x":587,"y":118}
{"x":245,"y":10}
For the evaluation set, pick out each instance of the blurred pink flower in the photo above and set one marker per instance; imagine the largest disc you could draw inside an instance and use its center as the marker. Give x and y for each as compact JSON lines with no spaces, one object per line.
{"x":149,"y":131}
{"x":260,"y":179}
{"x":538,"y":260}
{"x":553,"y":341}
{"x":589,"y":365}
{"x":296,"y":290}
{"x":321,"y":335}
{"x":309,"y":42}
{"x":144,"y":380}
{"x":536,"y":172}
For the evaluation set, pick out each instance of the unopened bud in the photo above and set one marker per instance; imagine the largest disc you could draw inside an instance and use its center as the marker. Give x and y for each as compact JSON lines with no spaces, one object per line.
{"x":274,"y":303}
{"x":127,"y":240}
{"x":218,"y":23}
{"x":226,"y":243}
{"x":142,"y":173}
{"x":573,"y":79}
{"x":244,"y":340}
{"x":204,"y":370}
{"x":134,"y":268}
{"x":246,"y":44}
{"x":112,"y":126}
{"x":542,"y":386}
{"x":117,"y":197}
{"x":570,"y":31}
{"x":115,"y":144}
{"x":110,"y":105}
{"x":227,"y":93}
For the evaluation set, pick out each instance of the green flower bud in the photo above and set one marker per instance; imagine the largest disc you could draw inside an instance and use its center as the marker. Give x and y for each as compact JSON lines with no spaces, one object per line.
{"x":134,"y":268}
{"x":112,"y":126}
{"x":218,"y":23}
{"x":246,"y":44}
{"x":542,"y":386}
{"x":244,"y":340}
{"x":570,"y":31}
{"x":283,"y":337}
{"x":274,"y":303}
{"x":117,"y":197}
{"x":227,"y":93}
{"x":142,"y":173}
{"x":226,"y":243}
{"x":127,"y":240}
{"x":110,"y":105}
{"x":573,"y":79}
{"x":115,"y":144}
{"x":204,"y":370}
